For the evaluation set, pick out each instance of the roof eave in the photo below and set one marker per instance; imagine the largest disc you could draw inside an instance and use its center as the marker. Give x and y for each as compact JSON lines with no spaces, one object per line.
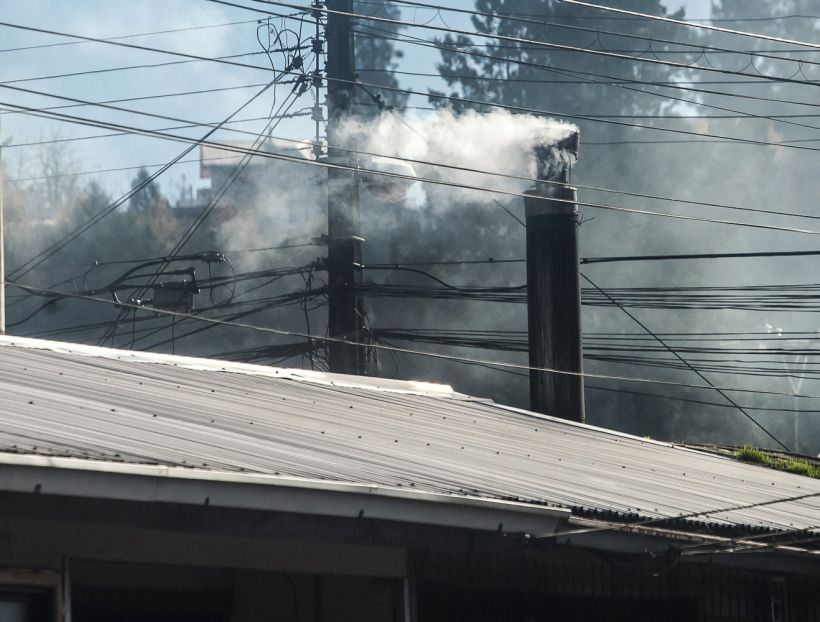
{"x":163,"y":484}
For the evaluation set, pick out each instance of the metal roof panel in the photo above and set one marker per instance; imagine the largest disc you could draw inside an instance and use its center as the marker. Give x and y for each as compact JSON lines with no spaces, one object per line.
{"x":102,"y":404}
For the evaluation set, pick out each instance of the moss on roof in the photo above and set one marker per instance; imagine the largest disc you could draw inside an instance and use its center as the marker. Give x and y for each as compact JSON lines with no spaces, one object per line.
{"x":782,"y":463}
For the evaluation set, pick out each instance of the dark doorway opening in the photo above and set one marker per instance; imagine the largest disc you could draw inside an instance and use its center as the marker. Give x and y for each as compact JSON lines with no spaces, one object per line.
{"x":440,"y":603}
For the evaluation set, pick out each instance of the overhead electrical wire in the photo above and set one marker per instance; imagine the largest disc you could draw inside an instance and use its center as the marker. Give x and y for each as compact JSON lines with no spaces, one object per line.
{"x":517,"y":341}
{"x":616,"y":82}
{"x":619,"y":82}
{"x":279,"y":156}
{"x":158,"y":96}
{"x":93,"y":72}
{"x":133,"y":46}
{"x":590,"y":17}
{"x":680,"y":22}
{"x":784,"y":298}
{"x":542,"y":44}
{"x":467,"y":360}
{"x":131,"y":36}
{"x":79,"y":102}
{"x":220,"y":192}
{"x":565,"y":82}
{"x":165,"y":117}
{"x":508,"y":17}
{"x":604,"y":79}
{"x":451,"y":98}
{"x":295,"y":62}
{"x":596,"y":260}
{"x":186,"y":126}
{"x":676,"y":398}
{"x":28,"y":265}
{"x":689,"y":366}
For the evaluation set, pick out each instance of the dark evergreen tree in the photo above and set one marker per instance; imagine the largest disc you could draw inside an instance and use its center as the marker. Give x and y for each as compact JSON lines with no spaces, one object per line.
{"x":147,"y":198}
{"x":377,"y":55}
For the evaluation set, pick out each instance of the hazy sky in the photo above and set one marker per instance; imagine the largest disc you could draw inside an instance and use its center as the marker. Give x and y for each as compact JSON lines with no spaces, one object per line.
{"x":36,"y":70}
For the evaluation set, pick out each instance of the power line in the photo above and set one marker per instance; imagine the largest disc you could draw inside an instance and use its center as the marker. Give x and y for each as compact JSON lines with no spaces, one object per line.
{"x":611,"y":83}
{"x":653,"y":61}
{"x":226,"y":184}
{"x":620,"y":143}
{"x":90,"y":72}
{"x":556,"y":114}
{"x":605,"y":80}
{"x":38,"y":259}
{"x":629,"y":258}
{"x":417,"y":161}
{"x":131,"y":36}
{"x":441,"y":96}
{"x":566,"y":82}
{"x":459,"y":359}
{"x":596,"y":260}
{"x":83,"y":102}
{"x":621,"y":18}
{"x":226,"y":60}
{"x":688,"y":365}
{"x":160,"y":129}
{"x":598,"y":32}
{"x":323,"y":164}
{"x":516,"y":341}
{"x":694,"y":401}
{"x":681,"y":22}
{"x":124,"y":168}
{"x":164,"y":117}
{"x":786,"y":298}
{"x":147,"y":97}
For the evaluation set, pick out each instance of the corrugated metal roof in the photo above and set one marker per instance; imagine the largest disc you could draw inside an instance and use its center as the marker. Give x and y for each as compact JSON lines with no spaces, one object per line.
{"x":83,"y":402}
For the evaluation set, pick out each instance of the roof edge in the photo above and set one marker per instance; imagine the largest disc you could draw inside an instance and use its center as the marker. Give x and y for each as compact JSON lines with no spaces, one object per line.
{"x":164,"y":484}
{"x":407,"y":387}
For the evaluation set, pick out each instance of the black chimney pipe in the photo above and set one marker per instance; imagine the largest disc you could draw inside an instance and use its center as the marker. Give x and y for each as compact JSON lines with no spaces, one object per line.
{"x":554,"y":285}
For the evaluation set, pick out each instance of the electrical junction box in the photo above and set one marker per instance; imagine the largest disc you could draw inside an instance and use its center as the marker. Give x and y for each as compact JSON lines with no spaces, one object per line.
{"x":176,"y":297}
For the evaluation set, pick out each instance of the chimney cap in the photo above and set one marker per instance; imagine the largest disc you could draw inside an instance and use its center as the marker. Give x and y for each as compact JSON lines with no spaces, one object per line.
{"x":571,"y":144}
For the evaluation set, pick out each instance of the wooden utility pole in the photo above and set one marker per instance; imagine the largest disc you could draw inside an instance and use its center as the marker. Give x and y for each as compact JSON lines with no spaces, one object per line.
{"x":2,"y":236}
{"x":554,"y":299}
{"x":345,"y":313}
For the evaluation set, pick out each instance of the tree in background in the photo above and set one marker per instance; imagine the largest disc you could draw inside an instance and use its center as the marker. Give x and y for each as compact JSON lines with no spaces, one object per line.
{"x":521,"y":74}
{"x":150,"y":219}
{"x":377,"y":55}
{"x":527,"y":76}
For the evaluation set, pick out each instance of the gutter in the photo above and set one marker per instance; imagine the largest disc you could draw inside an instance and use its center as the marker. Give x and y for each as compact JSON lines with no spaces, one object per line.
{"x":274,"y":493}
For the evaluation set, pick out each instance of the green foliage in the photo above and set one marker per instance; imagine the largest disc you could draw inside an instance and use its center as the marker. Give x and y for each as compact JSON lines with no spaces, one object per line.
{"x":748,"y":453}
{"x":791,"y":465}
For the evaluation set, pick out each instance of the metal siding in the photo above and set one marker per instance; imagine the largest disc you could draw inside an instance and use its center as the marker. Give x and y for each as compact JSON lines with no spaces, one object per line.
{"x":101,"y":407}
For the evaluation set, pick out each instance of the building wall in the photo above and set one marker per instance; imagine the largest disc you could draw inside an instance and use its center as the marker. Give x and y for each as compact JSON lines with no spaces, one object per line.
{"x":203,"y":564}
{"x":604,"y":587}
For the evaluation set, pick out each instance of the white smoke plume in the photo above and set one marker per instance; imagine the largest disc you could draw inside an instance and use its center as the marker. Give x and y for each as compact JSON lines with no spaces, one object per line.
{"x":497,"y":142}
